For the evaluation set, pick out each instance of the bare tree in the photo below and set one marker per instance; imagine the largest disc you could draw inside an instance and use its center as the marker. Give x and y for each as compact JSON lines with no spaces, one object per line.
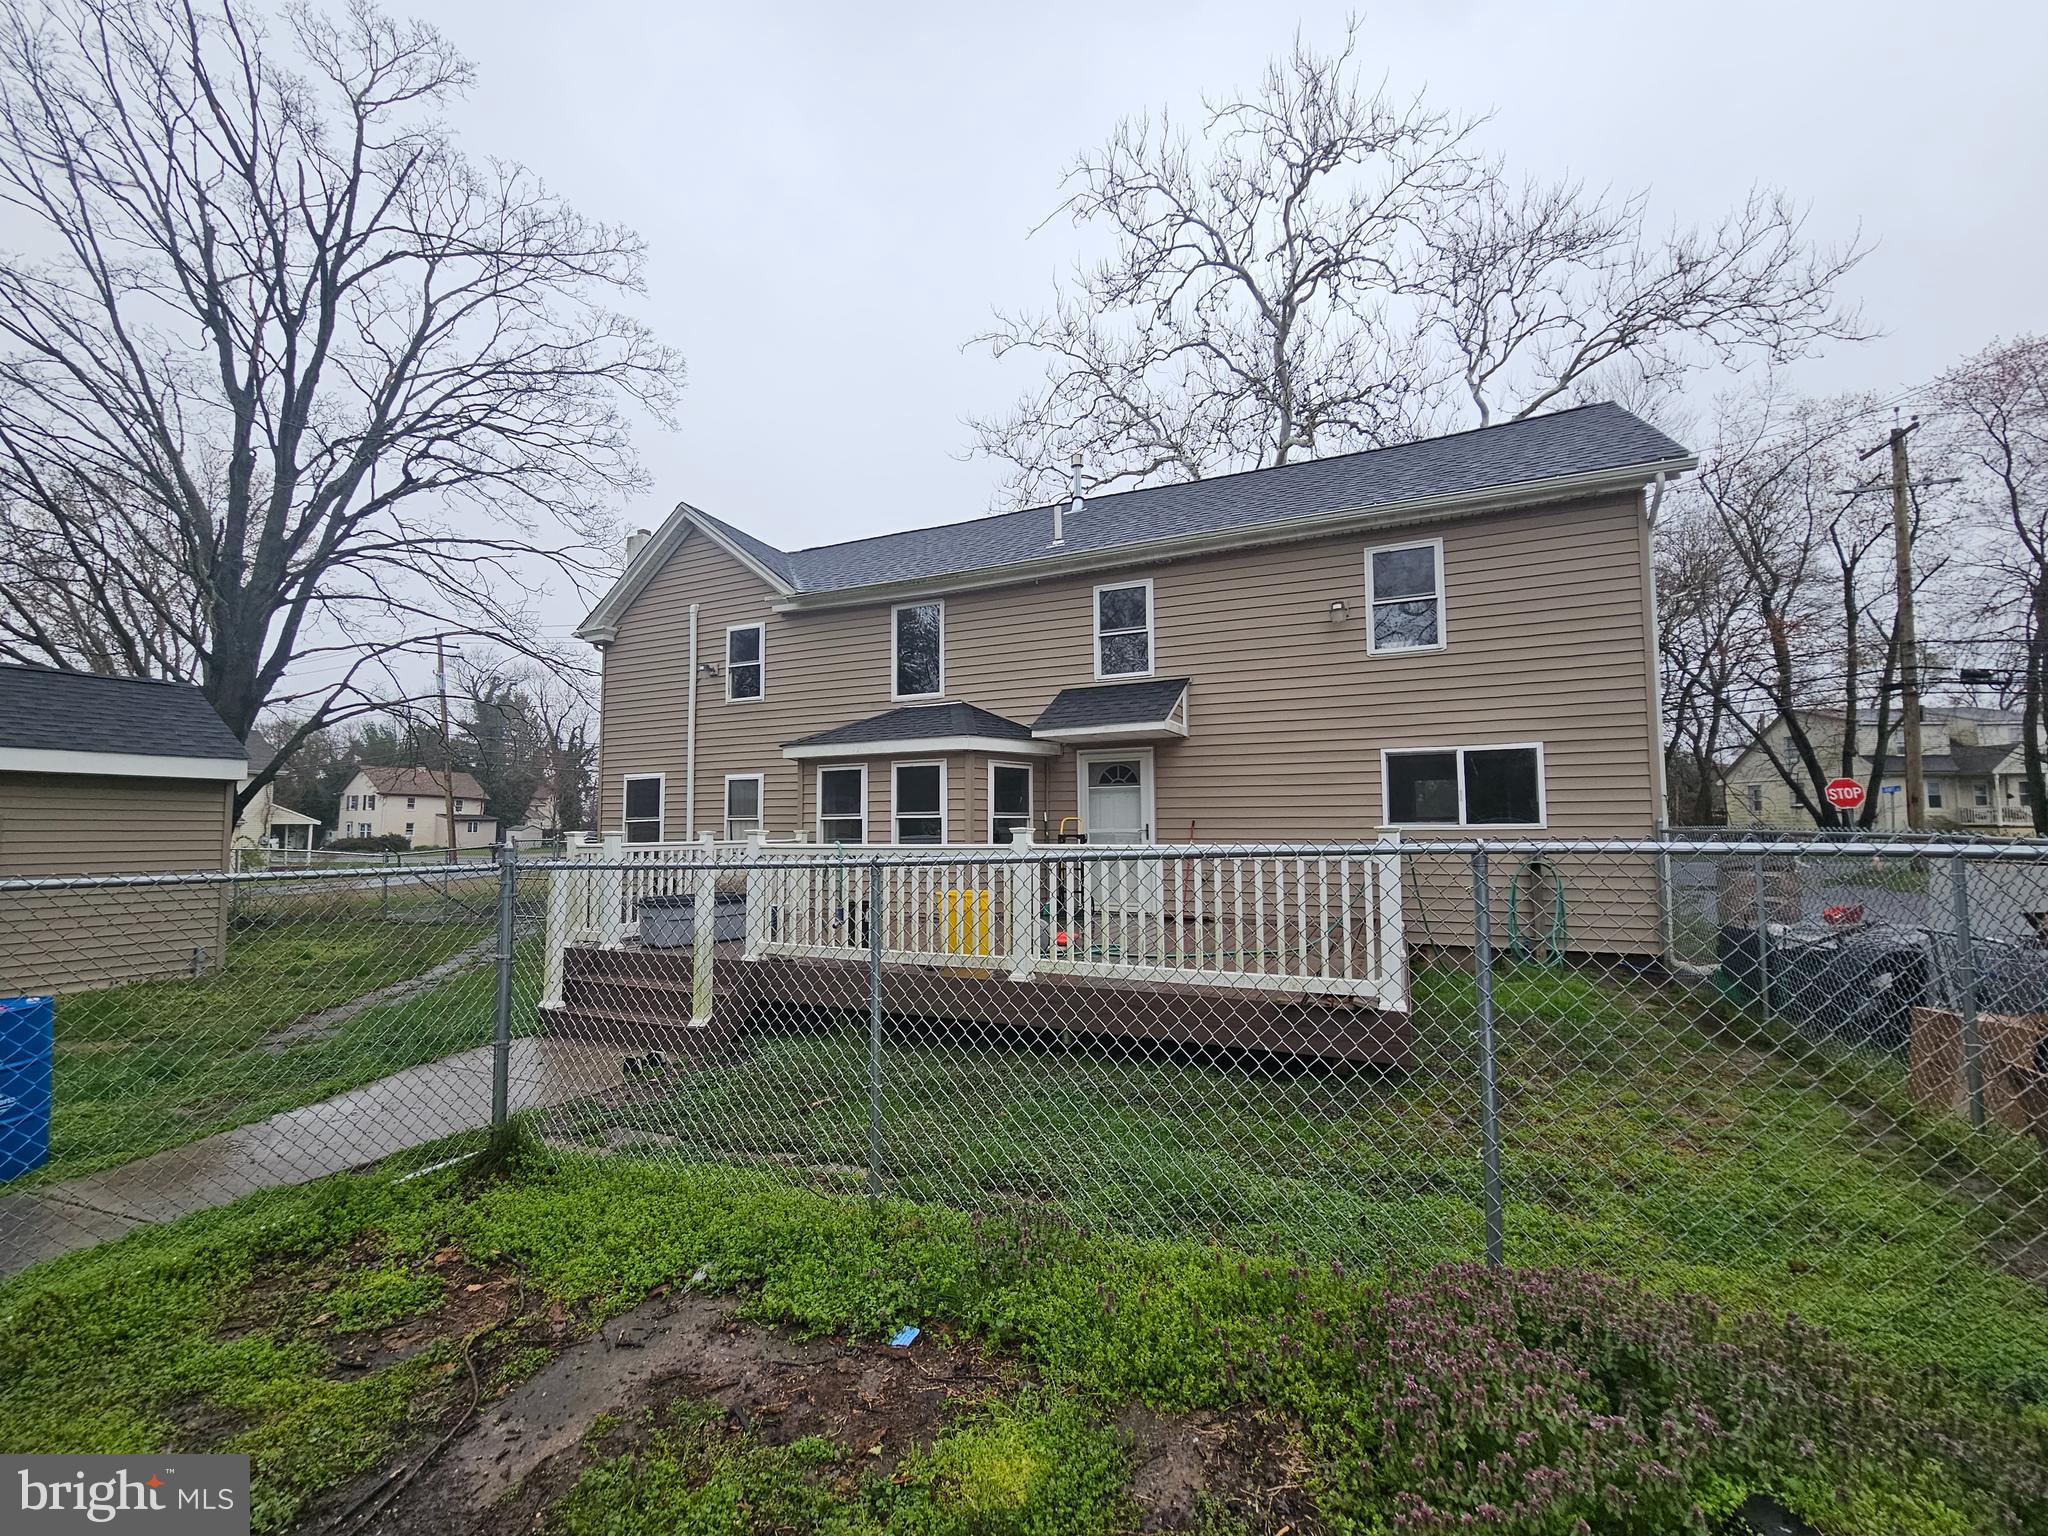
{"x":1996,"y":421}
{"x":297,"y":384}
{"x":1324,"y":267}
{"x":1820,"y":659}
{"x":1705,"y":637}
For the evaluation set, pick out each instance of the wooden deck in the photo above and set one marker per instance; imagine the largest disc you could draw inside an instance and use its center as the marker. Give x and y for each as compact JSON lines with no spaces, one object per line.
{"x":643,"y":996}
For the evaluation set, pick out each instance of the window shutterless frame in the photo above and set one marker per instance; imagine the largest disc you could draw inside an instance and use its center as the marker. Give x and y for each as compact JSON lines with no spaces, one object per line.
{"x":759,"y":818}
{"x":997,"y":769}
{"x":638,"y":828}
{"x":898,"y":815}
{"x":757,"y":668}
{"x":1148,"y":630}
{"x":1374,"y":599}
{"x":860,"y":773}
{"x":895,"y":655}
{"x":1387,"y":754}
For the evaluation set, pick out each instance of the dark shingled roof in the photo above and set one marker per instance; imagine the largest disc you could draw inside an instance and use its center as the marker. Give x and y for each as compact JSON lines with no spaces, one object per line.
{"x":1581,"y":441}
{"x":42,"y":709}
{"x":1145,"y":703}
{"x":919,"y":722}
{"x":1959,"y":758}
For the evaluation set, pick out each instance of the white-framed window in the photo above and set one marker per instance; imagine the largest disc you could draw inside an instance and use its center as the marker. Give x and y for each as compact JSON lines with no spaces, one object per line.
{"x":409,"y":802}
{"x":746,"y":668}
{"x":1980,"y":794}
{"x":1123,"y":629}
{"x":355,"y":803}
{"x":1753,"y":796}
{"x":1009,"y":800}
{"x":643,"y":796}
{"x":408,"y":829}
{"x":917,"y":650}
{"x":743,"y":792}
{"x":469,"y":826}
{"x":458,"y":804}
{"x":843,"y":804}
{"x":917,"y":802}
{"x":1404,"y":598}
{"x":1934,"y":797}
{"x":1486,"y":786}
{"x":369,"y":802}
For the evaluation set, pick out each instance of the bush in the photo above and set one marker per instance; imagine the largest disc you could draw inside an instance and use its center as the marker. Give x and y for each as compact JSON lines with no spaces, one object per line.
{"x":390,"y":842}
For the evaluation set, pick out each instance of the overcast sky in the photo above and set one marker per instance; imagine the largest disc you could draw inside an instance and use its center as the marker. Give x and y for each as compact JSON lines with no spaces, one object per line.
{"x":835,"y":196}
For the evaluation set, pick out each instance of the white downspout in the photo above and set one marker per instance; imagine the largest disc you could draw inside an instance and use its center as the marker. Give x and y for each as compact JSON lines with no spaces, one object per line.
{"x":690,"y":742}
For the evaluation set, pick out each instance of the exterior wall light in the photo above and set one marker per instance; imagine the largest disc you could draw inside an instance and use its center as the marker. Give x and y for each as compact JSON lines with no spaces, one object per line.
{"x":1338,"y":612}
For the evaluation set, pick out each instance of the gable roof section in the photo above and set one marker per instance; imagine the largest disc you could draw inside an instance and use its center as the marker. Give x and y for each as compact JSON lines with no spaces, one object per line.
{"x":421,"y":781}
{"x":53,"y":721}
{"x":954,"y":727}
{"x":1580,"y":451}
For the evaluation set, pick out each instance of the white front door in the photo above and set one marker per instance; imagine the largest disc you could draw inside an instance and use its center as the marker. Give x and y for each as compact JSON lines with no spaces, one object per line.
{"x":1116,"y":807}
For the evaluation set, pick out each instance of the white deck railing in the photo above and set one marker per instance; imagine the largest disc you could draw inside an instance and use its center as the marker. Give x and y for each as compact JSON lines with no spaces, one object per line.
{"x":1325,"y":923}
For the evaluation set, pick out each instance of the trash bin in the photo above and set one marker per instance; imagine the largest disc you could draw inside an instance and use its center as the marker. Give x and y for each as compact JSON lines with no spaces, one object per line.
{"x":27,"y":1034}
{"x":670,"y":922}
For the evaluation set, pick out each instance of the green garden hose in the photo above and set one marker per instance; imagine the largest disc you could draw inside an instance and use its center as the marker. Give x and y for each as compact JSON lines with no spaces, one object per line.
{"x":1554,"y":943}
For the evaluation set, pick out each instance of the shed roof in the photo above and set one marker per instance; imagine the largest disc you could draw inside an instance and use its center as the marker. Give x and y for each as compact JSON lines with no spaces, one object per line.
{"x":1111,"y":705}
{"x":951,"y":727}
{"x":81,"y":722}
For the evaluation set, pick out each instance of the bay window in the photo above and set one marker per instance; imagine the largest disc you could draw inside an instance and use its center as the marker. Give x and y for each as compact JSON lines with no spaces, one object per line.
{"x":843,"y":805}
{"x":918,"y":802}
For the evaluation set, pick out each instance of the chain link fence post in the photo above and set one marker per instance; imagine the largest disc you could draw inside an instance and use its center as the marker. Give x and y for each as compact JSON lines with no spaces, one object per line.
{"x":1489,"y":1066}
{"x":1761,"y":910}
{"x":501,"y":1032}
{"x":1966,"y":989}
{"x":874,"y":922}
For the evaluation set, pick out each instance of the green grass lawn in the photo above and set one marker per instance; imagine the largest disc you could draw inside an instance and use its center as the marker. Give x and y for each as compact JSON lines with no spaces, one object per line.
{"x":1643,"y":1135}
{"x":1517,"y":1401}
{"x":157,"y":1064}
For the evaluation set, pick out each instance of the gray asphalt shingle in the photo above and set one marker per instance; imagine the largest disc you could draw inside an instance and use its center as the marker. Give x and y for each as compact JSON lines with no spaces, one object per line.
{"x":1145,"y":703}
{"x":919,"y":722}
{"x":43,"y":709}
{"x":1580,"y":441}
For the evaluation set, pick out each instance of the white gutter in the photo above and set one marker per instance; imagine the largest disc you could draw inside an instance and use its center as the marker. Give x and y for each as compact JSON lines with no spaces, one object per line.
{"x":1178,"y":546}
{"x":690,"y":742}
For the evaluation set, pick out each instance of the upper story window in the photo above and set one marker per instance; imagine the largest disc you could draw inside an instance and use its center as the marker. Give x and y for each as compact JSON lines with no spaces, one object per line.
{"x":409,"y":802}
{"x":745,"y":672}
{"x":355,"y":802}
{"x":369,"y":802}
{"x":1404,"y":590}
{"x":843,"y":805}
{"x":1123,"y":629}
{"x":643,"y":808}
{"x":918,"y":650}
{"x":1465,"y":787}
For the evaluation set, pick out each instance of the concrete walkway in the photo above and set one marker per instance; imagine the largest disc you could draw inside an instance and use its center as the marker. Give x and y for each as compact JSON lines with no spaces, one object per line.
{"x":407,"y":1109}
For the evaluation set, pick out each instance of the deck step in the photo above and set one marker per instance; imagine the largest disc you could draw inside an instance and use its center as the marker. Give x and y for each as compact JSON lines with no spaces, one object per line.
{"x":614,"y":1026}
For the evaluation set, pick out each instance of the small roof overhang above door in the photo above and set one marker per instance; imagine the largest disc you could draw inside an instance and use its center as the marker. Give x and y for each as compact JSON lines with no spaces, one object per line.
{"x":1155,"y":709}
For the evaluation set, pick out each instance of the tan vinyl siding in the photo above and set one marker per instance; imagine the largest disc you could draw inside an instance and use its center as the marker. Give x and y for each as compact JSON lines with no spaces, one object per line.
{"x":57,"y":825}
{"x":1549,"y":641}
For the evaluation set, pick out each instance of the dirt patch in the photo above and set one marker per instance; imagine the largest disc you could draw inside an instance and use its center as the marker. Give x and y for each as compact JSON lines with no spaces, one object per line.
{"x":524,"y":1450}
{"x":1189,"y":1467}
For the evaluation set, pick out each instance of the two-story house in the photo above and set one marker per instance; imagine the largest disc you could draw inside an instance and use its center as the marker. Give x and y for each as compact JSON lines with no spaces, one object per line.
{"x":414,"y":803}
{"x":1449,"y":636}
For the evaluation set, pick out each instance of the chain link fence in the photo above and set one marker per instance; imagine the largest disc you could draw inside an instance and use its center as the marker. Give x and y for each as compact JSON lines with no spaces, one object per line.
{"x":1804,"y":1076}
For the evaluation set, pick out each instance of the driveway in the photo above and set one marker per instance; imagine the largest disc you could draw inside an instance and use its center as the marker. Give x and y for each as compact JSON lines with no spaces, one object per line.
{"x":407,"y":1109}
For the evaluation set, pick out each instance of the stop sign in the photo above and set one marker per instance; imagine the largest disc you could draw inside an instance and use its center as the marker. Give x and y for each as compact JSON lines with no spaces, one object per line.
{"x":1844,"y":794}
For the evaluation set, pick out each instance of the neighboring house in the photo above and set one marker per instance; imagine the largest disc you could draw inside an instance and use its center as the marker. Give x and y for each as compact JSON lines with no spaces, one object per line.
{"x":413,"y":803}
{"x":263,"y":823}
{"x":1971,"y":759}
{"x":101,"y":776}
{"x":1450,"y":636}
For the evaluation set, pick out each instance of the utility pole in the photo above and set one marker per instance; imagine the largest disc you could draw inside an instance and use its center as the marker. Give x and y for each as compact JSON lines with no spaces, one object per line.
{"x":447,"y":751}
{"x":1909,"y":647}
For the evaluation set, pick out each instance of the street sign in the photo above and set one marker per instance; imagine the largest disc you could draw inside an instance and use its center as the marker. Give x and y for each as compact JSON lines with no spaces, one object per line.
{"x":1844,"y":794}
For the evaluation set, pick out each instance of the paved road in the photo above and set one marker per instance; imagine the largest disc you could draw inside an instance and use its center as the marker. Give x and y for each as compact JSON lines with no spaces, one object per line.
{"x":407,"y":1109}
